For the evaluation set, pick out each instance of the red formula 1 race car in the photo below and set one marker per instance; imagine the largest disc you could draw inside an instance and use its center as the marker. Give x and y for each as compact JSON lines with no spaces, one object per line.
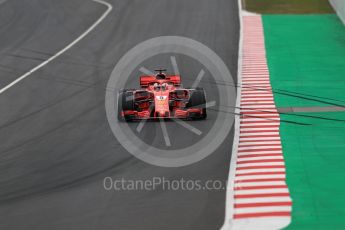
{"x":161,"y":96}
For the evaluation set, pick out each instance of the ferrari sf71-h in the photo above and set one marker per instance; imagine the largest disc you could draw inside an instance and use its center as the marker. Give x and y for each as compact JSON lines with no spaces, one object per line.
{"x":161,"y":96}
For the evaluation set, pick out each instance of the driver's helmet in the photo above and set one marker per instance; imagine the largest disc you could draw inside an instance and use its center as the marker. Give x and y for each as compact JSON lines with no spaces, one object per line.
{"x":156,"y":86}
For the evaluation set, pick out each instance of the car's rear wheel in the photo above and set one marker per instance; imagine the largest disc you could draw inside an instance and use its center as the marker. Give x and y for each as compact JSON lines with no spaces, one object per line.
{"x":125,"y":103}
{"x":198,"y":100}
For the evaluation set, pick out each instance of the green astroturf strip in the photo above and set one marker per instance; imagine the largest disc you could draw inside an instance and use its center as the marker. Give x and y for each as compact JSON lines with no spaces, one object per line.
{"x":306,"y":58}
{"x":315,"y":161}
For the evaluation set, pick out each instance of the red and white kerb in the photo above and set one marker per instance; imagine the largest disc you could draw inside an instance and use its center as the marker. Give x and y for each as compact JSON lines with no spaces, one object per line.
{"x":261,"y":196}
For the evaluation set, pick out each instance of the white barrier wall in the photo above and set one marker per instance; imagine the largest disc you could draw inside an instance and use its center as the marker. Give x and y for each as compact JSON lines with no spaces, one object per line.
{"x":339,"y":6}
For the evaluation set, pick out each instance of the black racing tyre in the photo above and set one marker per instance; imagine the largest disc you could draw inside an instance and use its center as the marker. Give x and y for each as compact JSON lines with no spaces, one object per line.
{"x":198,"y":100}
{"x":125,"y":102}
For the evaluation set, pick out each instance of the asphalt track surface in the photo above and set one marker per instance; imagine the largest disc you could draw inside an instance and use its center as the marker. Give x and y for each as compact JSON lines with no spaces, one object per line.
{"x":56,"y":144}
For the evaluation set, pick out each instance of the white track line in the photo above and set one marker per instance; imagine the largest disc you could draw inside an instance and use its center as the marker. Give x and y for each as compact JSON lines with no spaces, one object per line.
{"x":260,"y":129}
{"x":254,"y":134}
{"x":263,"y":200}
{"x":260,"y":164}
{"x":255,"y":147}
{"x":258,"y":152}
{"x":242,"y":171}
{"x":243,"y":144}
{"x":273,"y":176}
{"x":261,"y":191}
{"x":263,"y":209}
{"x":261,"y":139}
{"x":259,"y":124}
{"x":264,"y":183}
{"x":104,"y":15}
